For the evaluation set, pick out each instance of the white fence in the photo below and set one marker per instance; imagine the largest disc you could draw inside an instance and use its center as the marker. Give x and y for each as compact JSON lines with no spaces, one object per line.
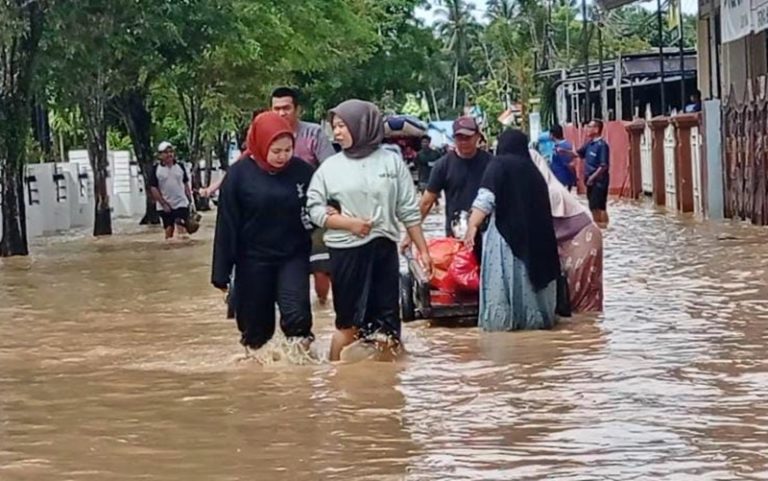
{"x":670,"y":145}
{"x":59,"y":196}
{"x":646,"y":159}
{"x":698,"y":198}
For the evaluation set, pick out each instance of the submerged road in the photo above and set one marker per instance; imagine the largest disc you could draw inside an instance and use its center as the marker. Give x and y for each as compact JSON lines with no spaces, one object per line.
{"x":116,"y":363}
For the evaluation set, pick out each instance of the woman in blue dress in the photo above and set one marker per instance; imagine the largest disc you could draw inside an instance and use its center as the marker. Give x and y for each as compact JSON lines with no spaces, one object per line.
{"x":520,"y":266}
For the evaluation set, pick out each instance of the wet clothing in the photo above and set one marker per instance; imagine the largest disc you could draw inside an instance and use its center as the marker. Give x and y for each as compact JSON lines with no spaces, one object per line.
{"x":263,"y":230}
{"x":261,"y":285}
{"x":518,"y":275}
{"x":579,"y":244}
{"x":365,"y":283}
{"x":508,"y":299}
{"x":312,"y":145}
{"x":460,"y":179}
{"x":378,"y":187}
{"x":523,"y":210}
{"x":597,"y":195}
{"x":171,"y":181}
{"x":561,"y":164}
{"x":581,"y":257}
{"x":175,"y":217}
{"x":365,"y":182}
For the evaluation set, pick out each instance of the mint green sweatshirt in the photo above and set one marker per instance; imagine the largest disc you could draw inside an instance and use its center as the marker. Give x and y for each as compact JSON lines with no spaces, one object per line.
{"x":377,"y":188}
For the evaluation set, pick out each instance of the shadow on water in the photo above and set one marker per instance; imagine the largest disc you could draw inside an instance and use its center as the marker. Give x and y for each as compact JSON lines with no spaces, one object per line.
{"x":116,"y":362}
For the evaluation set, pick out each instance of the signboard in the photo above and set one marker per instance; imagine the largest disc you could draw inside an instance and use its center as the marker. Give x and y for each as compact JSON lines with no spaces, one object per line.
{"x":736,"y":19}
{"x":759,"y":15}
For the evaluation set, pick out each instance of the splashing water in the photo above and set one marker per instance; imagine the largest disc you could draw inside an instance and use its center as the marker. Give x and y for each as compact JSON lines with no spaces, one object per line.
{"x":283,"y":351}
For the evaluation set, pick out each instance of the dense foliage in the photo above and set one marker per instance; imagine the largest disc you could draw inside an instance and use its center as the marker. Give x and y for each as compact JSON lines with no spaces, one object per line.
{"x":110,"y":74}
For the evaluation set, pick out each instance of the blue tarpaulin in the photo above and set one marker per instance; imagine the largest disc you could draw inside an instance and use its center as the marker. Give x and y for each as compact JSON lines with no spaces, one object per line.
{"x":441,"y":132}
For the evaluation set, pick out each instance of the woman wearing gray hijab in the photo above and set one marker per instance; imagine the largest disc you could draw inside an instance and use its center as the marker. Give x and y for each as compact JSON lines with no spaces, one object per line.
{"x":361,"y":195}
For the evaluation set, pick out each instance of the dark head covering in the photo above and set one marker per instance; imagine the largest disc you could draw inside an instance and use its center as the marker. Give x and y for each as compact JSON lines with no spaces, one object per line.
{"x":523,"y":212}
{"x":365,"y":123}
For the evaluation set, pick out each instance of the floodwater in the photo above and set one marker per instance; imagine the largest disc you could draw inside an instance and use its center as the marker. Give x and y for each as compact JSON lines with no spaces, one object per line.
{"x":116,"y":363}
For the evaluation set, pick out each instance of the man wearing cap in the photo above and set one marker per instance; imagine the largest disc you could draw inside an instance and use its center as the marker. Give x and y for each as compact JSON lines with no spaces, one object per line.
{"x":169,"y":185}
{"x":458,"y":174}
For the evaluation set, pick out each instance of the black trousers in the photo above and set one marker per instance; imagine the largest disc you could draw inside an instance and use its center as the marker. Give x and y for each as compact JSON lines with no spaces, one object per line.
{"x":366,"y":284}
{"x":259,"y":286}
{"x":597,"y":195}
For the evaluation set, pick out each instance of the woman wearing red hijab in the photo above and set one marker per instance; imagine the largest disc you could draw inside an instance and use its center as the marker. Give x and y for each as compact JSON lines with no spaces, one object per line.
{"x":264,"y":231}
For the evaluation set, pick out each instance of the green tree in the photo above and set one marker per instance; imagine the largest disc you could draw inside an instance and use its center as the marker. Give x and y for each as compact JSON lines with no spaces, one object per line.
{"x":21,"y":30}
{"x":396,"y":61}
{"x":457,"y":28}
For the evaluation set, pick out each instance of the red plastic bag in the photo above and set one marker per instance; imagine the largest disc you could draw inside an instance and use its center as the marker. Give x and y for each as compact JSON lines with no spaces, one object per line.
{"x":464,"y":272}
{"x":442,"y":252}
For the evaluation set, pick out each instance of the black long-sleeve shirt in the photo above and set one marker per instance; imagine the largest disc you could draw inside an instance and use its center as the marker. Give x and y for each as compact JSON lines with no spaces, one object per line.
{"x":261,"y":217}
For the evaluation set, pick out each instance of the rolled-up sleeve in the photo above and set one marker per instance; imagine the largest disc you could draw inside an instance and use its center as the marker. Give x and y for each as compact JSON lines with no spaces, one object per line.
{"x":407,"y":202}
{"x":485,"y":201}
{"x":317,"y":199}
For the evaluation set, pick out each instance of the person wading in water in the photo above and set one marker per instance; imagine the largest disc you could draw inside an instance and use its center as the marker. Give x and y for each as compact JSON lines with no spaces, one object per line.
{"x":360,"y":195}
{"x":263,"y":230}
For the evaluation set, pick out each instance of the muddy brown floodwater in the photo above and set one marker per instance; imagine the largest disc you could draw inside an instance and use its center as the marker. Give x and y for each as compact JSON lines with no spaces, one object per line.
{"x":116,"y":363}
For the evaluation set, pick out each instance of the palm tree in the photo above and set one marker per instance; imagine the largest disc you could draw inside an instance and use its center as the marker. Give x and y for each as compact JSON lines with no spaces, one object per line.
{"x":456,"y":26}
{"x":501,"y":9}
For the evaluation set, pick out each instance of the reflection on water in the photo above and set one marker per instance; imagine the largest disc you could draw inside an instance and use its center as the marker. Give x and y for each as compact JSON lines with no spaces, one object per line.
{"x":116,"y":362}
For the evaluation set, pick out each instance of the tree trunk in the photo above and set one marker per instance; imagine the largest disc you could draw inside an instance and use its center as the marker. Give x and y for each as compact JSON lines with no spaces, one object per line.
{"x":102,"y":220}
{"x":92,"y":106}
{"x":18,"y":59}
{"x":222,"y":149}
{"x":138,"y":121}
{"x":208,"y":166}
{"x":14,"y":240}
{"x":13,"y":133}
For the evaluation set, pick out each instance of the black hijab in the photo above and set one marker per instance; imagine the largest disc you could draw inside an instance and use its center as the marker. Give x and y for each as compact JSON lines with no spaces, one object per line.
{"x":523,"y":212}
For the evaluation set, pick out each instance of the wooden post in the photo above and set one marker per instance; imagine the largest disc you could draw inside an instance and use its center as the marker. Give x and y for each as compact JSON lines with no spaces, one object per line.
{"x":635,"y":130}
{"x":683,"y":158}
{"x":658,"y":126}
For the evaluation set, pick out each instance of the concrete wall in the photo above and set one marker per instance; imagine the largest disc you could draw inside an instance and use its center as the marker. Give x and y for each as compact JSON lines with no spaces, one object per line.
{"x":615,"y":134}
{"x":125,"y":185}
{"x":59,"y":196}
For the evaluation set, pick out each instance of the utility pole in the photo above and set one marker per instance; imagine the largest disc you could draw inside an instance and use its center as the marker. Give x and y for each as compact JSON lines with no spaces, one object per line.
{"x":603,"y":96}
{"x":660,"y":23}
{"x":585,"y":41}
{"x":682,"y":54}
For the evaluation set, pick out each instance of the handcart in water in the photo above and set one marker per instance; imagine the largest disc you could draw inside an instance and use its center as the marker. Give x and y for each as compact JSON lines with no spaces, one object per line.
{"x":419,"y":300}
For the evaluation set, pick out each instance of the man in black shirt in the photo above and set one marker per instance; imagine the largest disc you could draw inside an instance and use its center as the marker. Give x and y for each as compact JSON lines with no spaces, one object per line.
{"x":425,"y":161}
{"x":458,"y":174}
